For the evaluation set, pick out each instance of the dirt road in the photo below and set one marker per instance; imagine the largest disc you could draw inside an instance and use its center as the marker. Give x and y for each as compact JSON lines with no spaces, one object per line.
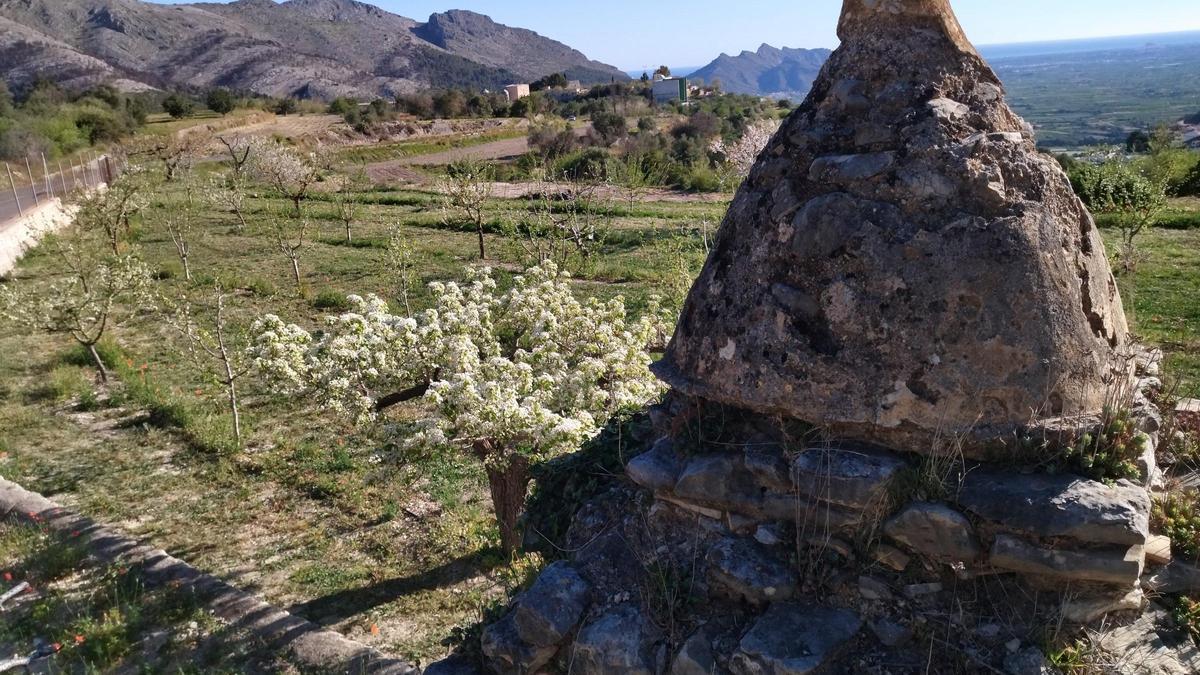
{"x":394,"y":170}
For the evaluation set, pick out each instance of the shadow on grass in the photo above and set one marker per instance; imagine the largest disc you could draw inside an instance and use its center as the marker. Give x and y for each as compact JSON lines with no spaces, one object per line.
{"x":352,"y":602}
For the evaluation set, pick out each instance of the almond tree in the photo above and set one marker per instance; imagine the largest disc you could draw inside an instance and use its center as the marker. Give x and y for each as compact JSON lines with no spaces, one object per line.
{"x":219,"y":349}
{"x":346,"y":201}
{"x":228,"y":193}
{"x":240,"y":150}
{"x":286,"y":171}
{"x":291,"y":236}
{"x":465,"y":190}
{"x":110,"y":210}
{"x":93,"y":295}
{"x":741,"y":155}
{"x":508,"y":378}
{"x":180,"y":222}
{"x":399,"y":266}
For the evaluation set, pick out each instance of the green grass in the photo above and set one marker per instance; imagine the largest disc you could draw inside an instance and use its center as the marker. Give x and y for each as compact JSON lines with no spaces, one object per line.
{"x":1162,"y":299}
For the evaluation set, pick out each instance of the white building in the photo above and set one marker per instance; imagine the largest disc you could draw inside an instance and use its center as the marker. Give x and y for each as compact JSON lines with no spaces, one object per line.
{"x":670,"y":89}
{"x":516,"y":92}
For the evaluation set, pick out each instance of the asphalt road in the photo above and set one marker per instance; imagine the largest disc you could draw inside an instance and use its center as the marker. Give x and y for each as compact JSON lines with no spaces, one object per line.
{"x":27,"y":196}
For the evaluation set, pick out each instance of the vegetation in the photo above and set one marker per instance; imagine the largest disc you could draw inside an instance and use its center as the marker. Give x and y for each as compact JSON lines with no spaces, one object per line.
{"x":1177,"y":515}
{"x":47,"y":120}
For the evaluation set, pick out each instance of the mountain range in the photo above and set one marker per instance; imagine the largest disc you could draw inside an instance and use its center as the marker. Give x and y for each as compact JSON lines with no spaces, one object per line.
{"x":303,"y":48}
{"x":766,"y":72}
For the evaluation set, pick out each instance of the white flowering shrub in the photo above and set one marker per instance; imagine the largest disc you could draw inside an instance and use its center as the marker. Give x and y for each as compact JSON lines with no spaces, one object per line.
{"x":742,"y":153}
{"x":513,"y":378}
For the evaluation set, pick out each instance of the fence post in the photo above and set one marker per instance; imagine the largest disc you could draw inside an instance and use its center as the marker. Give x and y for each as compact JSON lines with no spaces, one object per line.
{"x":108,"y":169}
{"x":46,"y":177}
{"x":62,"y":178}
{"x":32,"y":183}
{"x":13,"y":185}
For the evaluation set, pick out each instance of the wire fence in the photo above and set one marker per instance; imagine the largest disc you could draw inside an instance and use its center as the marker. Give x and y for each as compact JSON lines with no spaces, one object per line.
{"x":29,"y":184}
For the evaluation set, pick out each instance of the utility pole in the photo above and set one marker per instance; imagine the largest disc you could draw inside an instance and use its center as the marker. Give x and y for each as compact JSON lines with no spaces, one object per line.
{"x":13,"y":185}
{"x":32,"y":183}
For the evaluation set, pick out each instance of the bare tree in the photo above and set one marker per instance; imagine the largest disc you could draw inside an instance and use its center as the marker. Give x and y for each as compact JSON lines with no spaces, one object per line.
{"x":346,"y":201}
{"x":465,"y":190}
{"x":291,"y":236}
{"x":400,"y":267}
{"x":180,"y":222}
{"x":219,"y":349}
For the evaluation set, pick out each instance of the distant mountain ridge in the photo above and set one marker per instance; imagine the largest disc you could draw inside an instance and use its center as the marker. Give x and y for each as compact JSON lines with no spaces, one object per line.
{"x":767,"y":72}
{"x":306,"y":48}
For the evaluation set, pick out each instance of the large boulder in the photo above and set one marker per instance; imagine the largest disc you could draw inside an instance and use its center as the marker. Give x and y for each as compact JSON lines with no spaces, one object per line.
{"x":902,"y":265}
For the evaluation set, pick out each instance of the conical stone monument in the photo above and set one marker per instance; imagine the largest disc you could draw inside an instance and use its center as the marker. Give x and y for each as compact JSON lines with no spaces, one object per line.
{"x":902,"y":263}
{"x":904,"y":272}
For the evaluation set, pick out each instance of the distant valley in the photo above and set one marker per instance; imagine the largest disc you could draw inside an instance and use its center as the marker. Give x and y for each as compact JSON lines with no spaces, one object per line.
{"x":1075,"y":92}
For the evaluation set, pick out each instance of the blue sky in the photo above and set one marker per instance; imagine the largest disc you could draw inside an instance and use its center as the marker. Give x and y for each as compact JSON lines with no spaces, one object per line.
{"x":635,"y":34}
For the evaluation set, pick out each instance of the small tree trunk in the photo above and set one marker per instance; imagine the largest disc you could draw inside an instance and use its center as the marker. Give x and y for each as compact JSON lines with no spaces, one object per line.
{"x":348,"y":237}
{"x":233,"y":408}
{"x":241,"y":219}
{"x":296,"y":272}
{"x":103,"y":370}
{"x":508,"y":485}
{"x":482,"y":251}
{"x":296,"y":204}
{"x":187,"y":268}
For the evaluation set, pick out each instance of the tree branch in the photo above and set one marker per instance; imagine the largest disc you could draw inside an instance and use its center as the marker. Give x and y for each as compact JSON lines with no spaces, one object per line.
{"x":399,"y":397}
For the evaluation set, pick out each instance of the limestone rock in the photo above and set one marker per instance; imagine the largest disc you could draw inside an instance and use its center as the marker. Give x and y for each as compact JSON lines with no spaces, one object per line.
{"x":793,"y":639}
{"x":936,"y":531}
{"x":1114,"y":566}
{"x":656,"y":469}
{"x":695,"y":657}
{"x":1060,"y":506}
{"x":854,"y":478}
{"x":1148,"y":646}
{"x":743,"y":570}
{"x":942,"y":282}
{"x":506,"y":653}
{"x":611,"y":644}
{"x":542,"y":617}
{"x":550,"y":609}
{"x":1089,"y":609}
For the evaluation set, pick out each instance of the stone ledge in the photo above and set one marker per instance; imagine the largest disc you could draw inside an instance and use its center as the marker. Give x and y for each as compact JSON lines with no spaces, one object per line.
{"x":306,"y":642}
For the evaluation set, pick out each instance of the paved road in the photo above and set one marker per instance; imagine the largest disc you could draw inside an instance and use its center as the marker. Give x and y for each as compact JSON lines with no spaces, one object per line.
{"x":12,"y":205}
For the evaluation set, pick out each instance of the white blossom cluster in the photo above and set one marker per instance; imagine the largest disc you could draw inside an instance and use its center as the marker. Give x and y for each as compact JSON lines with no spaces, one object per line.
{"x":742,"y":153}
{"x":532,"y":370}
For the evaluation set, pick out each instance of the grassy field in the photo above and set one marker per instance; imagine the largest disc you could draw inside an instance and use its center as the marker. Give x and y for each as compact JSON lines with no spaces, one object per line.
{"x":393,"y":549}
{"x":396,"y":551}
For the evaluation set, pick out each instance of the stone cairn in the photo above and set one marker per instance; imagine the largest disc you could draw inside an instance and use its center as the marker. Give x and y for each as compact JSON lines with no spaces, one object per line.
{"x":908,"y":315}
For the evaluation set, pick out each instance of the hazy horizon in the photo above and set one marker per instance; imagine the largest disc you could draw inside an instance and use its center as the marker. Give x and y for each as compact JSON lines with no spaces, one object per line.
{"x":637,"y":35}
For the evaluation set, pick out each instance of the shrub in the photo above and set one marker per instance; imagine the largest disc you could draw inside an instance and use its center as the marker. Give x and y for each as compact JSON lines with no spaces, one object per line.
{"x":331,"y":300}
{"x":1112,"y":452}
{"x":178,"y":106}
{"x":1177,"y":515}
